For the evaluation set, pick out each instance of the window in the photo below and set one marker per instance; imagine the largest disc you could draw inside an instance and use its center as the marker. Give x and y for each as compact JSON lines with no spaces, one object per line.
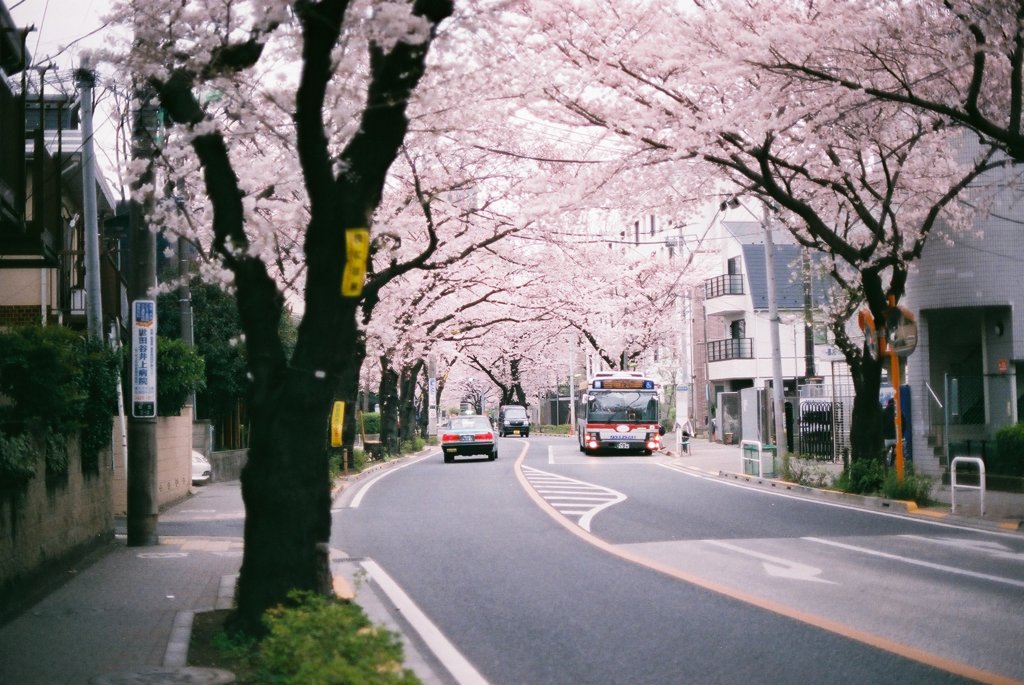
{"x":738,"y":329}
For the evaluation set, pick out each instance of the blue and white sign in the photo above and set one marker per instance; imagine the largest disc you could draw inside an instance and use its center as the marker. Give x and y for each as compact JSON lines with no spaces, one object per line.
{"x":144,"y":358}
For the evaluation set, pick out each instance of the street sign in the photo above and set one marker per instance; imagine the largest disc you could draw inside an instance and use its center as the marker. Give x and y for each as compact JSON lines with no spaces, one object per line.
{"x":901,"y":330}
{"x":337,"y":423}
{"x":867,"y":324}
{"x":144,"y":358}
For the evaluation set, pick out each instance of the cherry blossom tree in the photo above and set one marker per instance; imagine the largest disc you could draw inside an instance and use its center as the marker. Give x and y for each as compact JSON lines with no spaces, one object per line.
{"x":339,"y":167}
{"x":961,"y":61}
{"x":865,"y":185}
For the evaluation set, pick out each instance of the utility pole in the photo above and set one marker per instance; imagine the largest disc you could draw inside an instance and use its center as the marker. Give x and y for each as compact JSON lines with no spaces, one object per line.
{"x":143,"y":504}
{"x":773,"y":326}
{"x":94,"y":304}
{"x":805,"y":264}
{"x":572,"y":389}
{"x":184,"y":287}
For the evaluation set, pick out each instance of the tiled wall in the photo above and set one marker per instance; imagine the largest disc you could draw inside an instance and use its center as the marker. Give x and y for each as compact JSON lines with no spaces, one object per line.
{"x":174,"y":461}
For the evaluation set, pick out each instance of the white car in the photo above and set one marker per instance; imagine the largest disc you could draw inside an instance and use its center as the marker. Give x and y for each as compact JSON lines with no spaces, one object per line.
{"x":201,"y":469}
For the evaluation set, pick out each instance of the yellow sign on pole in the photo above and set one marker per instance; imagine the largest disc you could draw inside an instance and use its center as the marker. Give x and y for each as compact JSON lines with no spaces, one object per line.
{"x":357,"y":251}
{"x":337,"y":423}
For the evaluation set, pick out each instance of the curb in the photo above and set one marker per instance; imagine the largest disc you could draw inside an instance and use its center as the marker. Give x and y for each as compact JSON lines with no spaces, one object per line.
{"x":343,"y":481}
{"x":907,"y":507}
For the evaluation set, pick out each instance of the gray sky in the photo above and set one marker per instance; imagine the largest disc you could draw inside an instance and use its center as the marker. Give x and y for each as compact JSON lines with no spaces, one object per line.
{"x":59,"y":24}
{"x":63,"y":28}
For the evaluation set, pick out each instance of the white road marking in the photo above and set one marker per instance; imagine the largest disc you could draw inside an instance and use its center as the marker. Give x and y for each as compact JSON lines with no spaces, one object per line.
{"x":566,"y":494}
{"x":776,"y":566}
{"x":919,"y":562}
{"x":716,"y":477}
{"x":452,"y":659}
{"x":357,"y":500}
{"x":991,"y":548}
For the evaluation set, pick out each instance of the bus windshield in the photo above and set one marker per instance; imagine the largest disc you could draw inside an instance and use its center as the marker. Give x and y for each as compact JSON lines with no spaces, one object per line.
{"x":622,"y":405}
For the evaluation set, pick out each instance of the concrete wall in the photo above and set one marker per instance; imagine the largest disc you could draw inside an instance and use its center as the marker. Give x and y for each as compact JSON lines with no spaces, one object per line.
{"x":174,"y":461}
{"x":227,"y":464}
{"x":45,"y":523}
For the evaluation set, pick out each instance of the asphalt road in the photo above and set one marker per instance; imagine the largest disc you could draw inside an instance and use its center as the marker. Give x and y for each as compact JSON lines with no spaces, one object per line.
{"x":547,"y":566}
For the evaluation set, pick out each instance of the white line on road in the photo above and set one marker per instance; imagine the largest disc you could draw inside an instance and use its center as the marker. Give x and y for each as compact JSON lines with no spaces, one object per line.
{"x":543,"y":483}
{"x":354,"y":504}
{"x":460,"y":668}
{"x":776,"y":566}
{"x":986,"y":547}
{"x":919,"y":562}
{"x":717,"y":477}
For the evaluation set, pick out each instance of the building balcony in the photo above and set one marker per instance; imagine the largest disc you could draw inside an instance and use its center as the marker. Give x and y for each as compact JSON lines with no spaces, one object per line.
{"x":730,"y":348}
{"x":724,"y":295}
{"x":726,"y":284}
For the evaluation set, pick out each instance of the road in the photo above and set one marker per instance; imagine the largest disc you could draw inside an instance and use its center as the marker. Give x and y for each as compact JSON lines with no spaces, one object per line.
{"x":547,"y":566}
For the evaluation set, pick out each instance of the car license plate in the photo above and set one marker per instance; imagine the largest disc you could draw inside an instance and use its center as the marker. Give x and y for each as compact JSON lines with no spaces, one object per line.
{"x":515,"y":432}
{"x":623,"y":445}
{"x":466,"y":438}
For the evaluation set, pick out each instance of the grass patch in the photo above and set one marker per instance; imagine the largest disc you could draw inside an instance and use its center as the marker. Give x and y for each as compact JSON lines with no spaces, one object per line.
{"x":316,"y":640}
{"x":211,"y":646}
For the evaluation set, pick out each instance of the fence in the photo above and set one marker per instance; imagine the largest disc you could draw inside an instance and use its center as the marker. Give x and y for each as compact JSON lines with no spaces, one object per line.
{"x":822,"y":418}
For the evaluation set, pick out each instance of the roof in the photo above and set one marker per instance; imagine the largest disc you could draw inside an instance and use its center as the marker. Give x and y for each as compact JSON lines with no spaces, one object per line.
{"x":70,"y":146}
{"x":789,"y":286}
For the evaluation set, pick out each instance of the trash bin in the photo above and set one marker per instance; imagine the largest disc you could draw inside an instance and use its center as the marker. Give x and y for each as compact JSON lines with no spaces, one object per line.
{"x":758,"y":460}
{"x":768,"y":460}
{"x":750,"y":458}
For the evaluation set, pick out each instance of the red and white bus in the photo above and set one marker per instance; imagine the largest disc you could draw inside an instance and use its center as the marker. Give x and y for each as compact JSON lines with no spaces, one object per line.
{"x":619,"y":411}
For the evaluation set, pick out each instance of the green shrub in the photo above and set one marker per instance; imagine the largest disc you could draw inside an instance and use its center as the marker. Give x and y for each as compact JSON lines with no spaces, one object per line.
{"x":913,"y":487}
{"x":329,"y":642}
{"x":56,"y":383}
{"x":369,"y":423}
{"x":101,"y":377}
{"x":180,"y":371}
{"x":864,"y":476}
{"x":414,"y":445}
{"x":17,"y":460}
{"x":1008,"y":459}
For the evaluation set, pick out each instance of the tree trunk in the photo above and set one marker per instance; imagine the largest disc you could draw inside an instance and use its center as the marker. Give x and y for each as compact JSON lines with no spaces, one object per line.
{"x":866,"y":422}
{"x":388,"y":404}
{"x":407,"y":400}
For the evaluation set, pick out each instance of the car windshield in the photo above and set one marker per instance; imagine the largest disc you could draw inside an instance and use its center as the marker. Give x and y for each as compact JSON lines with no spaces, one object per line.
{"x":515,"y":413}
{"x":622,"y":406}
{"x":470,"y":423}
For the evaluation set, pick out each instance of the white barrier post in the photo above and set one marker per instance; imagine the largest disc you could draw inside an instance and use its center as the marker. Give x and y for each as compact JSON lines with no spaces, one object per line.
{"x":977,"y":461}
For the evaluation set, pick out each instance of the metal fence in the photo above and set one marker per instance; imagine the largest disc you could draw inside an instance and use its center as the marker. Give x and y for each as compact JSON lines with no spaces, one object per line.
{"x":821,"y":418}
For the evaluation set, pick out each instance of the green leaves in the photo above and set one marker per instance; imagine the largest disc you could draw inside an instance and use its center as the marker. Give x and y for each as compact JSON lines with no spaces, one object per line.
{"x":54,"y":383}
{"x":180,"y":371}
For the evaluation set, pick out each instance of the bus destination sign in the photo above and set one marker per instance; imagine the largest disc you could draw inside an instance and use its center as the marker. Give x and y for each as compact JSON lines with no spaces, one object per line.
{"x":623,"y":384}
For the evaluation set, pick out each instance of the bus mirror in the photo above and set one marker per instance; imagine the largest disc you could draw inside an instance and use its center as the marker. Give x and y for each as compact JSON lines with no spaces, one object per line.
{"x":661,"y":430}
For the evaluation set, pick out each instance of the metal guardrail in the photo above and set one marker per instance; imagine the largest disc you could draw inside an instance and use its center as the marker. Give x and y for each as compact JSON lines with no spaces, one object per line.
{"x":953,"y":485}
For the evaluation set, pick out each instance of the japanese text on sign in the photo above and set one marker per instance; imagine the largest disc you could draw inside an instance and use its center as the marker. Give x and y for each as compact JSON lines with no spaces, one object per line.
{"x":357,"y":250}
{"x":143,"y":358}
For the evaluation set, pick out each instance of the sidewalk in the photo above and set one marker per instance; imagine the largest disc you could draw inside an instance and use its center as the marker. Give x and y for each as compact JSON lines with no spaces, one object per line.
{"x":130,"y":609}
{"x":126,"y":617}
{"x":1003,"y":510}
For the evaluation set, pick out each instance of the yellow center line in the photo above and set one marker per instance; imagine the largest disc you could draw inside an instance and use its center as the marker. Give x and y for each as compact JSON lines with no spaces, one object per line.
{"x":877,"y":641}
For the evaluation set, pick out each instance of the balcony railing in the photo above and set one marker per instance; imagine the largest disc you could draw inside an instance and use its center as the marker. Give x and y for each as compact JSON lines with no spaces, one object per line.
{"x":730,"y":348}
{"x":726,"y":284}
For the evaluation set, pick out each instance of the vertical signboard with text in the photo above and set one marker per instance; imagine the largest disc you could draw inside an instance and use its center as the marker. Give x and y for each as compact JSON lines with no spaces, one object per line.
{"x":144,"y":359}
